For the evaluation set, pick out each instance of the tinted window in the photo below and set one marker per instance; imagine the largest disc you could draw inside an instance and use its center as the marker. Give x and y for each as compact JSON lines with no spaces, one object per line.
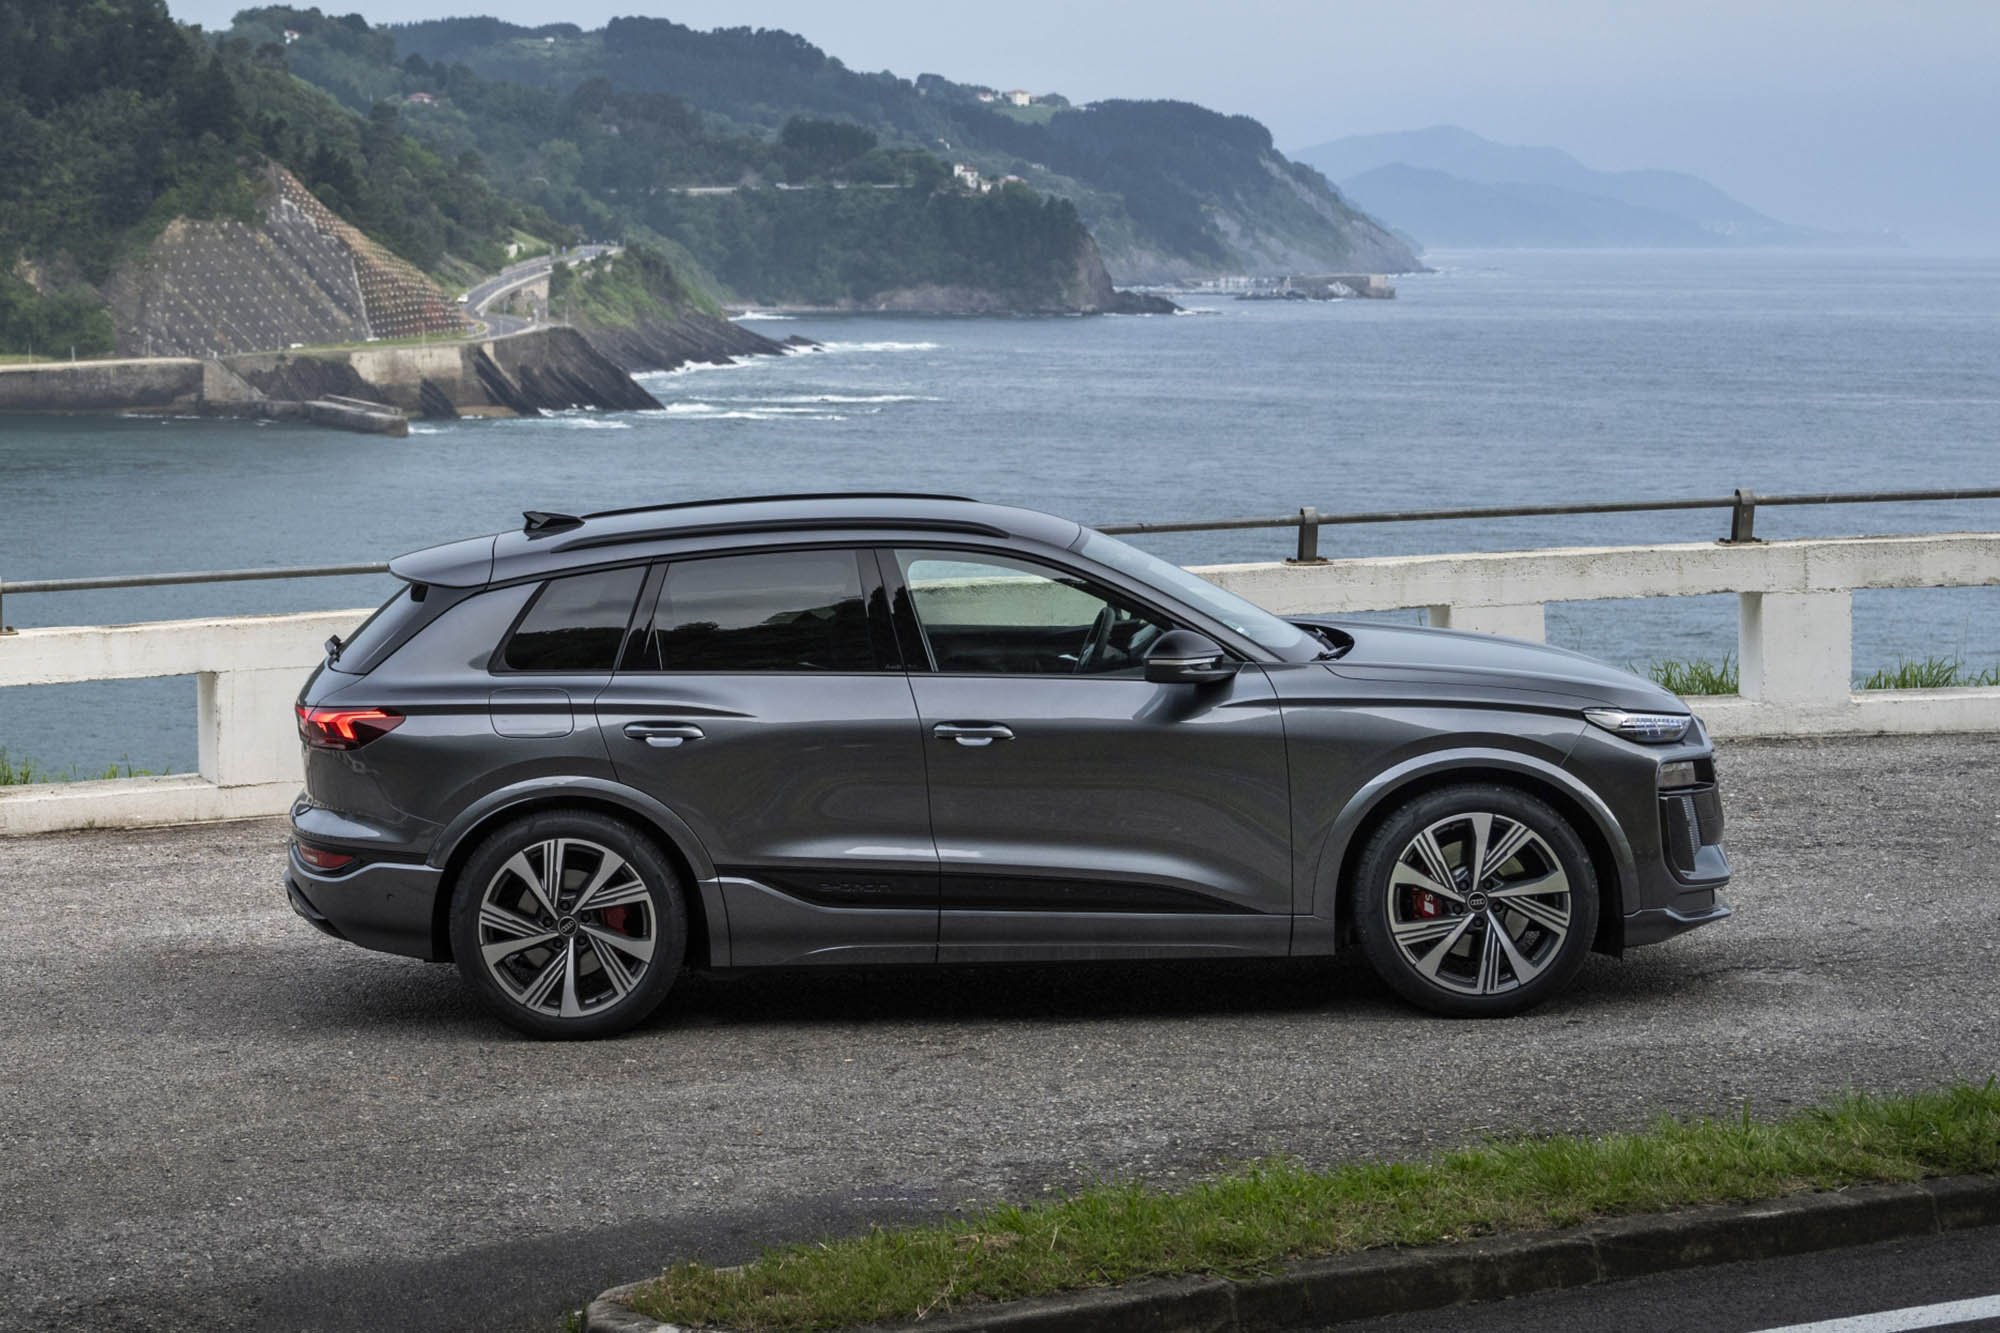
{"x":783,"y":611}
{"x":359,"y":650}
{"x":986,"y":615}
{"x":576,"y":623}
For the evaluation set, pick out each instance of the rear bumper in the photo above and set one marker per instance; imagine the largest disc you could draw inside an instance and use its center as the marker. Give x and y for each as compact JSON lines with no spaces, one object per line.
{"x":385,"y":905}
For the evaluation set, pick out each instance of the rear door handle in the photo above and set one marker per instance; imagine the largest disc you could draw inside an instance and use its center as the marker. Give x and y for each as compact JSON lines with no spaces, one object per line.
{"x":663,"y":735}
{"x":974,"y":734}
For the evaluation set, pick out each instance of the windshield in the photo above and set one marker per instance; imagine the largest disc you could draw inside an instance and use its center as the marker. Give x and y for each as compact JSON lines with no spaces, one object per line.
{"x":1278,"y":637}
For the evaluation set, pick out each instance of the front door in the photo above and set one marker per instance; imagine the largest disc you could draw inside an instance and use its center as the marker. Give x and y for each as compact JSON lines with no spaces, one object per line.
{"x":1080,"y":811}
{"x":763,"y":702}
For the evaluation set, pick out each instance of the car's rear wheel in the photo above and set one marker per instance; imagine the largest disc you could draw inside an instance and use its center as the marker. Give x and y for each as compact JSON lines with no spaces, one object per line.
{"x":1476,"y":901}
{"x":569,"y":923}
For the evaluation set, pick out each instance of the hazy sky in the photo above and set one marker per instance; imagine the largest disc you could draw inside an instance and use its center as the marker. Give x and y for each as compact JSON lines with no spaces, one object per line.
{"x":1837,"y":113}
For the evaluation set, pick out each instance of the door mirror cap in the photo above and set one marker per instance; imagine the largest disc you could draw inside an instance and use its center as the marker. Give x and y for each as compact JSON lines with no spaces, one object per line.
{"x":1183,"y":657}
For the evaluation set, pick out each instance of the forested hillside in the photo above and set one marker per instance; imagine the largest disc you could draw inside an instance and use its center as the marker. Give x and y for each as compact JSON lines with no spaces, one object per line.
{"x":1168,"y":188}
{"x":115,"y":121}
{"x":858,"y":222}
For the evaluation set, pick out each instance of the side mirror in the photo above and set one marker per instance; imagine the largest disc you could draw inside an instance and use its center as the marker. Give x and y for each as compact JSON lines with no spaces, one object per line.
{"x":1183,"y":657}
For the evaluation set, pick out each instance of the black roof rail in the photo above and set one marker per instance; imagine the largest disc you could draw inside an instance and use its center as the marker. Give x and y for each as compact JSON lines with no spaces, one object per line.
{"x":587,"y":541}
{"x":542,"y":520}
{"x":772,"y":499}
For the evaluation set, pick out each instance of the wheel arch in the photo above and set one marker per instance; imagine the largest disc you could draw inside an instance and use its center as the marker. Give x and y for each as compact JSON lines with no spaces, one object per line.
{"x":1586,"y":812}
{"x":708,"y":939}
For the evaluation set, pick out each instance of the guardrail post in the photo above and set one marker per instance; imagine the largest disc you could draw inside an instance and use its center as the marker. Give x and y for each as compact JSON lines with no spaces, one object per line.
{"x":246,"y":733}
{"x":3,"y":608}
{"x":1742,"y":518}
{"x":1526,"y":620}
{"x":1308,"y":539}
{"x":1796,"y":647}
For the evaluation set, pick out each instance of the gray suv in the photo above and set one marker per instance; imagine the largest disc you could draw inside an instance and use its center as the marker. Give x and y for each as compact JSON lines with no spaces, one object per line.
{"x":833,"y":729}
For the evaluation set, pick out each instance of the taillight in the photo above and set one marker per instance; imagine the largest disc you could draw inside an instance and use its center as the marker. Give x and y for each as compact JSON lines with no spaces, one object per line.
{"x":319,"y":858}
{"x":344,"y":728}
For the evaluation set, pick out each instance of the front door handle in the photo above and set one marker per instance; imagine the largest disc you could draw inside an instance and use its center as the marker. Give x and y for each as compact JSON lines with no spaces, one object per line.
{"x":663,"y":735}
{"x":974,"y":734}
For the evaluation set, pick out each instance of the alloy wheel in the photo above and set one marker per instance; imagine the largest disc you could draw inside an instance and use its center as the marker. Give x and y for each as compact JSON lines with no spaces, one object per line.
{"x":1478,"y":904}
{"x":567,"y":927}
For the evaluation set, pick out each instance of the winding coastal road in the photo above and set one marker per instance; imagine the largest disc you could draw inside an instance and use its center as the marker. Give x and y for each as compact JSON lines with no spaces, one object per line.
{"x":516,"y":276}
{"x":218,"y":1119}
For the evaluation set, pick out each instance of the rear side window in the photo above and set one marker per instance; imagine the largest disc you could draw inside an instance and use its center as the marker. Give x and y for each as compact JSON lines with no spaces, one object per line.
{"x":779,"y":611}
{"x":575,"y":623}
{"x":359,"y":650}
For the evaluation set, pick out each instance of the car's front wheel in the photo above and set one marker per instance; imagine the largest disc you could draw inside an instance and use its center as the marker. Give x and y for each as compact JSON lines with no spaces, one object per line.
{"x":1475,"y":901}
{"x":569,"y":923}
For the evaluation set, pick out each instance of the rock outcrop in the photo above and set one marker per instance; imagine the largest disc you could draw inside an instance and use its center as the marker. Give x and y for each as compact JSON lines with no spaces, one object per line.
{"x":523,"y":374}
{"x":690,"y":339}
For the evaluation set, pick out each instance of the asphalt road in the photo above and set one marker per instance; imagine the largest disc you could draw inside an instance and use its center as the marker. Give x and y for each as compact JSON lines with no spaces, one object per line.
{"x":214,"y":1117}
{"x":515,"y":276}
{"x":1960,"y":1269}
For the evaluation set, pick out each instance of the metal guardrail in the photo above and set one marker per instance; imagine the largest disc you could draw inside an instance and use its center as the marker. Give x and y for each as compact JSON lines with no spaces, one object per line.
{"x":1742,"y":505}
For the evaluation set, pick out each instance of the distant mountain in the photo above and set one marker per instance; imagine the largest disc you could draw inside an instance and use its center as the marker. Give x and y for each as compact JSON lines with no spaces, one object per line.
{"x":1449,"y":186}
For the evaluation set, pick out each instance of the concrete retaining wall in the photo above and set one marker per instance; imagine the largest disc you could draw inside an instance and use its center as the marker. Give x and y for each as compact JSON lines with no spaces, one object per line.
{"x":159,"y":383}
{"x":1795,"y":650}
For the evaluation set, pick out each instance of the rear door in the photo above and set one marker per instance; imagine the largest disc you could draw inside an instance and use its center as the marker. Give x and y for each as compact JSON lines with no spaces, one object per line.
{"x":1080,"y":811}
{"x":762,"y":699}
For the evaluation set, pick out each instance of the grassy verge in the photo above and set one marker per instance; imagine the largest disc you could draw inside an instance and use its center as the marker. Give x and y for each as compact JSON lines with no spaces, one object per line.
{"x":1262,"y":1218}
{"x":26,"y":772}
{"x":1932,"y":673}
{"x":1695,"y":676}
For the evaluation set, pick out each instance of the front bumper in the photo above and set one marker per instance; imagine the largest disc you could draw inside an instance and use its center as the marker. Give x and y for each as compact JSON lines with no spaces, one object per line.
{"x":1653,"y":924}
{"x":385,"y":905}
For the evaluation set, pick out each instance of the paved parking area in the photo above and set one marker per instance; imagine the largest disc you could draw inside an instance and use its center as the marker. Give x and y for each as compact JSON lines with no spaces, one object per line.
{"x":214,"y":1117}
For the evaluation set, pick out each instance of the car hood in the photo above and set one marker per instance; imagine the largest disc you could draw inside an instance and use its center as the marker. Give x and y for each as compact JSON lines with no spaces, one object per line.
{"x":1385,"y":655}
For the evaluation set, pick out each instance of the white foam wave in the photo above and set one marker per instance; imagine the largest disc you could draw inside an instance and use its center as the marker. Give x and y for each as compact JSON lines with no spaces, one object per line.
{"x":880,"y":347}
{"x":761,"y":314}
{"x":572,"y":421}
{"x":816,"y":398}
{"x":714,"y":412}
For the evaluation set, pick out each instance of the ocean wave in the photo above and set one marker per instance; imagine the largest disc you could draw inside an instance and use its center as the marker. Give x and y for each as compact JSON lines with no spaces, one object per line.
{"x":761,"y":314}
{"x":879,"y":347}
{"x":713,"y":412}
{"x":571,"y":420}
{"x":693,"y":366}
{"x":840,"y":398}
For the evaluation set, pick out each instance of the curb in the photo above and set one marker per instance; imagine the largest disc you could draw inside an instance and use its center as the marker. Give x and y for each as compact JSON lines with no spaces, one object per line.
{"x":1383,"y":1282}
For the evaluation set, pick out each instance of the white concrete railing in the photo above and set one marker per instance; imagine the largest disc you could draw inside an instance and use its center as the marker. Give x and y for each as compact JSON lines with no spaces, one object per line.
{"x":1795,"y":652}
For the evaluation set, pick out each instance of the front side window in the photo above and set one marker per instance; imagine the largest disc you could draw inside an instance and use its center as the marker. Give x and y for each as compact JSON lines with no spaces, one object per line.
{"x":777,"y":611}
{"x":990,"y":615}
{"x":576,"y":623}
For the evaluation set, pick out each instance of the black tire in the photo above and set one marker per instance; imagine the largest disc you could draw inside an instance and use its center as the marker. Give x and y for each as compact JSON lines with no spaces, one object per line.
{"x":583,"y":969}
{"x":1438,"y":949}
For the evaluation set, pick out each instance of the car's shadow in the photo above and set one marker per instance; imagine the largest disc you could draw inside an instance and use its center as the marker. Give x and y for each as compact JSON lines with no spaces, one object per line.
{"x":1041,"y":992}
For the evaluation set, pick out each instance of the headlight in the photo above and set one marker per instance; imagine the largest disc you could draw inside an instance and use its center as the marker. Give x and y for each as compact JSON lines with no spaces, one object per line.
{"x":1647,"y":728}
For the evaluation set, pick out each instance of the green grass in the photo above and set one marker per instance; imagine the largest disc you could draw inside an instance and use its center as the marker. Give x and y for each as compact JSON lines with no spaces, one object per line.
{"x":1693,"y":675}
{"x":1273,"y":1213}
{"x":27,"y":772}
{"x":1932,"y":673}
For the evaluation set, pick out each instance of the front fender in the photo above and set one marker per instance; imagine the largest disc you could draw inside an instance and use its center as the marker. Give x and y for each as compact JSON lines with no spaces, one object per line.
{"x":1381,"y":793}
